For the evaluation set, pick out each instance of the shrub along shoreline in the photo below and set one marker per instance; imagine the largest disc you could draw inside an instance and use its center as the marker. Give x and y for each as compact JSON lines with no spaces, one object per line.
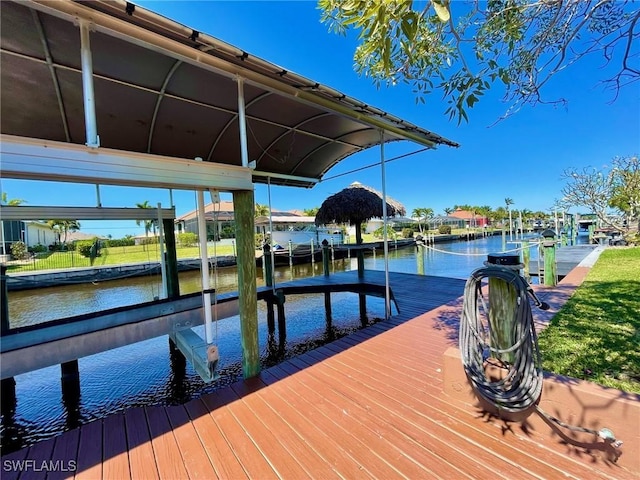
{"x":596,"y":335}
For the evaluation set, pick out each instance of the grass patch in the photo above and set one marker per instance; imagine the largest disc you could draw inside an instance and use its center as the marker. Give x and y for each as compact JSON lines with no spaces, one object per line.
{"x":596,"y":334}
{"x":110,"y":256}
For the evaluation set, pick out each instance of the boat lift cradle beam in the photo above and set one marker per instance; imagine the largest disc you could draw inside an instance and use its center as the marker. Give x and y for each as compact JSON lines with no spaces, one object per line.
{"x":32,"y":349}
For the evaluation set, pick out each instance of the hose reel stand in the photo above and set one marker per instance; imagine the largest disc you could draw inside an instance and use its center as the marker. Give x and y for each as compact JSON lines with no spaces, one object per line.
{"x":499,"y":344}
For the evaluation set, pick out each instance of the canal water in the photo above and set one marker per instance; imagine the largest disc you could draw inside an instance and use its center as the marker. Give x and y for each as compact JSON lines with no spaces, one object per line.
{"x":147,"y":373}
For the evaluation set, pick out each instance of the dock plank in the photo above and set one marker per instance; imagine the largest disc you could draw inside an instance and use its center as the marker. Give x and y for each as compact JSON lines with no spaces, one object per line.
{"x":12,"y":463}
{"x":221,"y":456}
{"x":66,"y":447}
{"x":89,"y":457}
{"x":165,"y":447}
{"x":141,"y":459}
{"x":248,"y":454}
{"x":194,"y":456}
{"x":115,"y":455}
{"x":39,"y":453}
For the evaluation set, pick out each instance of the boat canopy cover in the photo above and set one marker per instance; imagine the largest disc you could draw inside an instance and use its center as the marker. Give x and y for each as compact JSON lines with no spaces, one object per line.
{"x":165,"y":89}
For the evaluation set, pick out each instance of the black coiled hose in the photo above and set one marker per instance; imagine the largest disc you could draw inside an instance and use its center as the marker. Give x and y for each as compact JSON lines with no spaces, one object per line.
{"x":519,"y":386}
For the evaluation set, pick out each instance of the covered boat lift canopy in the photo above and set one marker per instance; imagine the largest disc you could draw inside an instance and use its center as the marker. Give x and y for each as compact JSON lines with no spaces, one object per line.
{"x":164,"y":89}
{"x":106,"y":92}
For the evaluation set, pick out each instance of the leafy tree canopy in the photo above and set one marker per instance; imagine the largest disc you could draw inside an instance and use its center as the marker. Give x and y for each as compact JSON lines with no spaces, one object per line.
{"x":262,"y":210}
{"x":464,"y":48}
{"x":311,"y":212}
{"x":600,"y":190}
{"x":4,"y":200}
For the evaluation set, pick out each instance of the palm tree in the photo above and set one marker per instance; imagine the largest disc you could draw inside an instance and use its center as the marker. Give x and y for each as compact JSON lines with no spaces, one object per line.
{"x":13,"y":202}
{"x":64,"y":227}
{"x":422,"y":213}
{"x":448,"y":211}
{"x":311,"y":212}
{"x":484,"y":211}
{"x":508,"y":201}
{"x":148,"y":224}
{"x":262,"y":210}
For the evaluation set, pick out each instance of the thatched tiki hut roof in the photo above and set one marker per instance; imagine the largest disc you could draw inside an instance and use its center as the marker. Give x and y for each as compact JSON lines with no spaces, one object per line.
{"x":356,"y":204}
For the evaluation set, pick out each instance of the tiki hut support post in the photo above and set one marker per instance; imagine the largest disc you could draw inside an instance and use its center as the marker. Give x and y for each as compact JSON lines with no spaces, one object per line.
{"x":387,"y":296}
{"x":355,"y":205}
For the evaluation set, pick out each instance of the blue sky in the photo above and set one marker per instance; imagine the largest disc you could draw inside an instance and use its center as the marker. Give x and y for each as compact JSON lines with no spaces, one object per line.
{"x":522,"y":157}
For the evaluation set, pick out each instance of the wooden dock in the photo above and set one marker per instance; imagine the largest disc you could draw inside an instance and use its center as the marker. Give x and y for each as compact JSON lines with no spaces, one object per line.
{"x":567,"y":258}
{"x":370,"y":405}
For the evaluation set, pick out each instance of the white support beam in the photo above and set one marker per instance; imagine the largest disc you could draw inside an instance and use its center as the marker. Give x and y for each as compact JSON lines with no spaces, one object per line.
{"x":32,"y":212}
{"x":88,"y":95}
{"x":36,"y":159}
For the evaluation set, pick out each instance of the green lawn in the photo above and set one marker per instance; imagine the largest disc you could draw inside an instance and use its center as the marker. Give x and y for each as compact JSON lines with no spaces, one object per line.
{"x":111,"y":256}
{"x":596,"y":335}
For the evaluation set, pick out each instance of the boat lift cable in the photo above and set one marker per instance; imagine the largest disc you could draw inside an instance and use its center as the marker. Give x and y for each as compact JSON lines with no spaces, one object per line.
{"x":519,"y":388}
{"x":519,"y":249}
{"x":404,"y":155}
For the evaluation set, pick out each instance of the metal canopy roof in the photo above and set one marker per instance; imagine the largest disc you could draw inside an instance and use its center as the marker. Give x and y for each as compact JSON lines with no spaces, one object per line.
{"x":164,"y":89}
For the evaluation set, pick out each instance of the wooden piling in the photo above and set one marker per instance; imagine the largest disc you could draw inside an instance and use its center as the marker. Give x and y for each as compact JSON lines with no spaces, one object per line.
{"x":325,"y":257}
{"x":282,"y":322}
{"x":271,"y":321}
{"x":7,"y":396}
{"x":267,"y":266}
{"x":327,"y":310}
{"x":5,"y":326}
{"x":171,"y":259}
{"x":244,"y":211}
{"x":526,"y":260}
{"x":420,"y":258}
{"x":502,"y":310}
{"x":550,"y":277}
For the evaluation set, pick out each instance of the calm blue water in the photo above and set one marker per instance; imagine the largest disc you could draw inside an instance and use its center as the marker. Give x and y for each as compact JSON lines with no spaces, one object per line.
{"x":147,"y":374}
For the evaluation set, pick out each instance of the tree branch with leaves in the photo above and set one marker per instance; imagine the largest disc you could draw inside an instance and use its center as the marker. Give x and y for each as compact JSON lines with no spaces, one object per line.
{"x":463,"y":49}
{"x":606,"y":191}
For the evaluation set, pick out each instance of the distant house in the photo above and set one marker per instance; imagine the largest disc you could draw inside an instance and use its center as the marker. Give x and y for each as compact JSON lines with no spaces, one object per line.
{"x":453,"y":222}
{"x":285,"y":227}
{"x":222,"y":215}
{"x":471,"y":219}
{"x":30,"y":232}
